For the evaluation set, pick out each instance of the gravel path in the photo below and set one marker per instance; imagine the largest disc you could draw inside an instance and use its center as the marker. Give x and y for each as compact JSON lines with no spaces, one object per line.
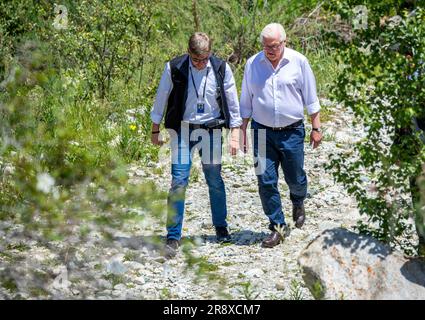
{"x":133,"y":268}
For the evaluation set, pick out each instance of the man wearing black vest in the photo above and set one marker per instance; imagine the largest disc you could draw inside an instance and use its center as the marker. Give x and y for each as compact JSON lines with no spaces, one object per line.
{"x":197,"y":94}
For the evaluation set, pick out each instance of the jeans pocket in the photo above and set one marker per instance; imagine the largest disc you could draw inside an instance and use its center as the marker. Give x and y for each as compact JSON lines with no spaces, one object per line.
{"x":300,"y":131}
{"x":254,"y":124}
{"x":296,"y":135}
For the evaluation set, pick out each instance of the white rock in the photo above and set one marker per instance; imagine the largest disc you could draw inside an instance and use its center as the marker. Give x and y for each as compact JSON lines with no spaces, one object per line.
{"x":120,"y":287}
{"x":257,"y":273}
{"x":139,"y":280}
{"x":345,"y":265}
{"x":325,"y":225}
{"x":134,"y":265}
{"x":104,"y":284}
{"x":118,"y":294}
{"x":116,"y":267}
{"x":280,"y":286}
{"x":141,"y":173}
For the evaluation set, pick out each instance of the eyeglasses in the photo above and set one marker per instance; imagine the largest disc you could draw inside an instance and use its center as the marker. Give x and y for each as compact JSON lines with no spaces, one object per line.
{"x":196,"y":60}
{"x":274,"y":47}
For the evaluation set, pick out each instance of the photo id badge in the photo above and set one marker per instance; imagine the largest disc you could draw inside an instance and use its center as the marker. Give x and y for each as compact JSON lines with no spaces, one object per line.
{"x":200,"y":106}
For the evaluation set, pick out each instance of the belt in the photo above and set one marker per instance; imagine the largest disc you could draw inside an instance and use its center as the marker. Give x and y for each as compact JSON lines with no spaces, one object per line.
{"x":194,"y":126}
{"x":291,"y":126}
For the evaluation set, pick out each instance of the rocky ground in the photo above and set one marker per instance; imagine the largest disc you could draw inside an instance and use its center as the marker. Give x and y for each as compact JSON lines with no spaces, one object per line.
{"x":132,"y":267}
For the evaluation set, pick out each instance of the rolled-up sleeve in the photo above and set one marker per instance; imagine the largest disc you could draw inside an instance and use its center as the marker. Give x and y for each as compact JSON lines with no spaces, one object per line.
{"x":309,"y":90}
{"x":232,"y":98}
{"x":162,"y":94}
{"x":246,"y":95}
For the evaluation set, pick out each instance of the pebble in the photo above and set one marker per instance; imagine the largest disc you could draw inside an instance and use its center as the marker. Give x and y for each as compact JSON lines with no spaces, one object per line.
{"x":254,"y":273}
{"x":280,"y":286}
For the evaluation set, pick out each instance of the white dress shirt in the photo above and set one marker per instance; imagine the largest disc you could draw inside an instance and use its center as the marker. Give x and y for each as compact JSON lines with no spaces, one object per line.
{"x":277,"y":97}
{"x":212,"y":110}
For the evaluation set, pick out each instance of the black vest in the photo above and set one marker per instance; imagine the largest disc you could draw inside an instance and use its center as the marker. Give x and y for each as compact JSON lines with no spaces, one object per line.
{"x":177,"y":100}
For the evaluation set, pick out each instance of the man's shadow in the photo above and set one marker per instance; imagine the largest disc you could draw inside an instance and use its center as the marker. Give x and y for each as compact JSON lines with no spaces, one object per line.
{"x":151,"y":243}
{"x":155,"y":244}
{"x":239,"y":238}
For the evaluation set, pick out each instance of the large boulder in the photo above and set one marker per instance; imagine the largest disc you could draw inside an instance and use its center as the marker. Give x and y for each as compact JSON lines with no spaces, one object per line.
{"x":340,"y":264}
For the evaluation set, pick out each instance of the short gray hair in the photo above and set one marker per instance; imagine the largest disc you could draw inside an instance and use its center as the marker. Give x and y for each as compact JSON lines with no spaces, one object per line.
{"x":199,"y":43}
{"x":271,"y":30}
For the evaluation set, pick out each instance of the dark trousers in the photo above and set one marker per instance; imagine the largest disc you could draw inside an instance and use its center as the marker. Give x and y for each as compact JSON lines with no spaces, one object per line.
{"x":282,"y":149}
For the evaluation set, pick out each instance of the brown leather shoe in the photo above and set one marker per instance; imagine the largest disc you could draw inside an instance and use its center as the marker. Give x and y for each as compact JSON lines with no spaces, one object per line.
{"x":272,"y":240}
{"x":298,"y":215}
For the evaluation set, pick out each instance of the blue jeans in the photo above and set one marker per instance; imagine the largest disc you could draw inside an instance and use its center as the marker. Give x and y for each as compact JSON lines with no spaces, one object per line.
{"x":285,"y":148}
{"x":182,"y":152}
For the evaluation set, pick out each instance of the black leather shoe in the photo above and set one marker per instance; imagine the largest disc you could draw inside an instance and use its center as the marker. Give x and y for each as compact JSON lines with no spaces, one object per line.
{"x":272,"y":240}
{"x":298,"y":215}
{"x":223,"y":235}
{"x":170,"y":249}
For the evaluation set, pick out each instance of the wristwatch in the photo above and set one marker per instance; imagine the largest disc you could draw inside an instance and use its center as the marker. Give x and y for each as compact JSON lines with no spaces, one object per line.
{"x":317,"y":129}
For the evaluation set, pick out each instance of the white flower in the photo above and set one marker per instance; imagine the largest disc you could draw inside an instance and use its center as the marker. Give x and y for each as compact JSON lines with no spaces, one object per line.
{"x":61,"y":19}
{"x":45,"y":182}
{"x":115,"y":142}
{"x":74,"y":143}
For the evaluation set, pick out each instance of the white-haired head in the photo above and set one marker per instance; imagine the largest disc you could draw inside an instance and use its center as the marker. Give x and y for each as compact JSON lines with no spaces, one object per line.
{"x":273,"y":30}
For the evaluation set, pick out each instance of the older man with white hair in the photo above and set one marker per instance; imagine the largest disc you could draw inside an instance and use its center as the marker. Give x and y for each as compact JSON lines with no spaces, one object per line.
{"x":278,"y":84}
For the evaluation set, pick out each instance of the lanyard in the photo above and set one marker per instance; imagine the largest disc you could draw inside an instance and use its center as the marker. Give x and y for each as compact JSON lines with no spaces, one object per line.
{"x":205,"y":85}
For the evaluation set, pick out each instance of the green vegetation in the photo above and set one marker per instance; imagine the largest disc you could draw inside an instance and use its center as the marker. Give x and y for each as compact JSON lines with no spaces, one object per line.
{"x":296,"y":291}
{"x":114,"y":278}
{"x":317,"y":290}
{"x":78,"y":80}
{"x":384,"y":94}
{"x":248,"y":290}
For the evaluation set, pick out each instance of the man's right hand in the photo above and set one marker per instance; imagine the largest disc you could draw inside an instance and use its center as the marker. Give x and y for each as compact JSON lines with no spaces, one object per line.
{"x":155,"y":139}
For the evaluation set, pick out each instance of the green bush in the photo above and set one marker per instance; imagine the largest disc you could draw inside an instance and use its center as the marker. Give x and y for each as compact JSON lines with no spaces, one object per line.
{"x":376,"y":83}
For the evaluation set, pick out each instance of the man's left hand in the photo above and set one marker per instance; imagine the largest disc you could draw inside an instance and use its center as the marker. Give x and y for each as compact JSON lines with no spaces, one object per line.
{"x":315,"y":138}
